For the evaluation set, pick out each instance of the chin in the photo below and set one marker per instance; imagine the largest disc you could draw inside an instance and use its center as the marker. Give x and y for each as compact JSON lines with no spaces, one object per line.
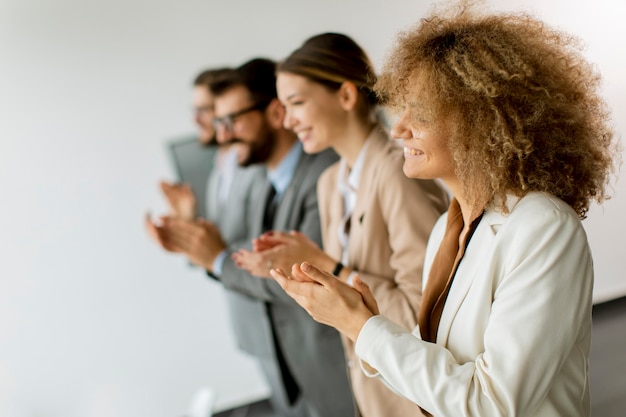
{"x":312,"y":148}
{"x":410,"y":173}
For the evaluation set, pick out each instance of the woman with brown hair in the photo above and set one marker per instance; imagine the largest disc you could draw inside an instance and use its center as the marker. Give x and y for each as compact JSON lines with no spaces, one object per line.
{"x":326,"y":88}
{"x":506,"y":112}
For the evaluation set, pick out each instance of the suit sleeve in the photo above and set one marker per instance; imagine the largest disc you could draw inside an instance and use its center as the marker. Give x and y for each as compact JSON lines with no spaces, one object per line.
{"x":540,"y":307}
{"x":305,"y":218}
{"x":409,"y":221}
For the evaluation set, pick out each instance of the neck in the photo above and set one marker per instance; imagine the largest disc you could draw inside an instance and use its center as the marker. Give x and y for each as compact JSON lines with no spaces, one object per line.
{"x":349,"y":145}
{"x":284,"y":142}
{"x":469,"y":209}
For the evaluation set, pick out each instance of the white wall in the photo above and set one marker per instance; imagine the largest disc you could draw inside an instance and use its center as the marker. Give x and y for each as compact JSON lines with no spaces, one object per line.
{"x":94,"y":319}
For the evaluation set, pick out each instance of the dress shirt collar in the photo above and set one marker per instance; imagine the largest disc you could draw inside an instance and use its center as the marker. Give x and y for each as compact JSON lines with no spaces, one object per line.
{"x":349,"y":179}
{"x":282,"y":175}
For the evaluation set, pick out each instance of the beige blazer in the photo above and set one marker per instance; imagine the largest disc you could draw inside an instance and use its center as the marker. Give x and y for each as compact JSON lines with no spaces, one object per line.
{"x":515,"y":331}
{"x":390,"y":225}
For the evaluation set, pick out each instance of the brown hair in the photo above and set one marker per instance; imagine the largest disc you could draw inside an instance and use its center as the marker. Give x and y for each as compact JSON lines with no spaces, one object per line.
{"x":521,"y":101}
{"x":210,"y":76}
{"x":258,"y":76}
{"x":331,"y":59}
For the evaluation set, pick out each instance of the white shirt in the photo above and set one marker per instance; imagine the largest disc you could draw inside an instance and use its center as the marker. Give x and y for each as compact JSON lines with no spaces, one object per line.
{"x":348,"y":184}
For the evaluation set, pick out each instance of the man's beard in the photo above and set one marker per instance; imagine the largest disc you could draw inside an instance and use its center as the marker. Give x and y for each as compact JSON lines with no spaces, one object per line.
{"x":260,"y":150}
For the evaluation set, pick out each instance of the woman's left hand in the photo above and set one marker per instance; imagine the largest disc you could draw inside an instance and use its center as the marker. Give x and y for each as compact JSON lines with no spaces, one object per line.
{"x":328,"y":300}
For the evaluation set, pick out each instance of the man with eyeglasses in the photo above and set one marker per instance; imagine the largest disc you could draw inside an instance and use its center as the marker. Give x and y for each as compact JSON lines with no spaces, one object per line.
{"x":195,"y":158}
{"x":302,"y":360}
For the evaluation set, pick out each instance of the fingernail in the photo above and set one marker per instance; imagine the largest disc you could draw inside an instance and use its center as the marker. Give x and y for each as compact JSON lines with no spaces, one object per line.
{"x":306,"y":267}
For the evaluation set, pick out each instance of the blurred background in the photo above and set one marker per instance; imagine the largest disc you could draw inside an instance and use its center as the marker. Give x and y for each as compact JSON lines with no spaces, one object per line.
{"x":94,"y":319}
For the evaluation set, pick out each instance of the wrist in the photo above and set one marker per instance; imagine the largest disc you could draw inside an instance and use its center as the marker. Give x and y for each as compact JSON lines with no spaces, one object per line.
{"x":337,"y":269}
{"x":326,"y":263}
{"x":357,"y":324}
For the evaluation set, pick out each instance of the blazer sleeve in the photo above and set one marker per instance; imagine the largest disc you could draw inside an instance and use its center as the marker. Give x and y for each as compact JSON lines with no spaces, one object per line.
{"x":409,"y":221}
{"x":542,"y":274}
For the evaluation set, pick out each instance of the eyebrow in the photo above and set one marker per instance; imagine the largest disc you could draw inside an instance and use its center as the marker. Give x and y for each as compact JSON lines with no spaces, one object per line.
{"x":290,"y":96}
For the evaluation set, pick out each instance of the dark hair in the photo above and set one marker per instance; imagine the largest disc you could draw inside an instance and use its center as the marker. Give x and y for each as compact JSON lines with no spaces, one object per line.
{"x":257,"y":75}
{"x":521,"y":101}
{"x":210,"y":76}
{"x":331,"y":59}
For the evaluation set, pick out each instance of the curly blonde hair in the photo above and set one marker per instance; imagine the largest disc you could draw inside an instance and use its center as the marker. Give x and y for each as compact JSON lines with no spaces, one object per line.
{"x":521,"y":102}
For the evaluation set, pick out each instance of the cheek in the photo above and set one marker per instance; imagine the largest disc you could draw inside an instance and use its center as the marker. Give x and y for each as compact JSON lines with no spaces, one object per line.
{"x":206,"y":120}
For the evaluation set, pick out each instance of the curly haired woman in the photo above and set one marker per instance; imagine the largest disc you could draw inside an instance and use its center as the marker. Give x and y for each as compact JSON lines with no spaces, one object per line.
{"x":506,"y":112}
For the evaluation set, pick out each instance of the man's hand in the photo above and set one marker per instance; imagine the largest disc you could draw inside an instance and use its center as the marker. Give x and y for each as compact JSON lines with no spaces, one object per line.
{"x":256,"y":263}
{"x":199,"y":240}
{"x":283,"y":249}
{"x":180,"y":199}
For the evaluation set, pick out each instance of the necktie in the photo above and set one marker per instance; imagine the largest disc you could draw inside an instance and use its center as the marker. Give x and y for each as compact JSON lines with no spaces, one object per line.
{"x":291,"y":386}
{"x":442,"y":271}
{"x":270,"y":209}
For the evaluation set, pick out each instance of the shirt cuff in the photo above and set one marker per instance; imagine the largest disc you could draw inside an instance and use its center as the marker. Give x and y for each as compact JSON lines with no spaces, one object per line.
{"x":218,"y":263}
{"x":367,"y":334}
{"x":350,"y":280}
{"x":374,"y":337}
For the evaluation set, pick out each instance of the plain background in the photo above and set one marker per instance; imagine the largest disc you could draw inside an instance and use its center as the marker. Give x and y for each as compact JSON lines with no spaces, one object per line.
{"x":94,"y":319}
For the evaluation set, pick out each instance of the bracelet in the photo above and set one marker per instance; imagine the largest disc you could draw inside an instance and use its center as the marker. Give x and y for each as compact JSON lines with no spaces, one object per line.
{"x":337,"y":269}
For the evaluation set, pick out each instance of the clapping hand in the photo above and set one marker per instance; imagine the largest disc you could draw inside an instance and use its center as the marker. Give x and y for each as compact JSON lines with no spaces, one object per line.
{"x":328,"y":300}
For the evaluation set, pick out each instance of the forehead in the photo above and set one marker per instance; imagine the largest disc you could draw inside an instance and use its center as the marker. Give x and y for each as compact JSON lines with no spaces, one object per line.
{"x":288,"y":83}
{"x":202,"y":95}
{"x":232,"y":100}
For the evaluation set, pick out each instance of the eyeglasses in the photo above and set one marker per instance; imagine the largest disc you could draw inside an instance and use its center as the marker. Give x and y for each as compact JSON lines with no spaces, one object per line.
{"x":228,"y":121}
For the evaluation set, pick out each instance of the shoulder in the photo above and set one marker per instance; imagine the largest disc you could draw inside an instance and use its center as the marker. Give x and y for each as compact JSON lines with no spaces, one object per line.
{"x":248,"y":175}
{"x":387,"y":175}
{"x":320,"y":161}
{"x":383,"y":158}
{"x":540,"y":208}
{"x":310,"y":167}
{"x":539,"y":222}
{"x":329,"y":176}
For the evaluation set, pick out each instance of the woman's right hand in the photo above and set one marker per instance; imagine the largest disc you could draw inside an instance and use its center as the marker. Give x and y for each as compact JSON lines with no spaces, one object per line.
{"x":328,"y":300}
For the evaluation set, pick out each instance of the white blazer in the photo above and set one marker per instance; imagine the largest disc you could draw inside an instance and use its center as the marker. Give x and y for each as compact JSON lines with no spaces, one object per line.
{"x":515,"y":331}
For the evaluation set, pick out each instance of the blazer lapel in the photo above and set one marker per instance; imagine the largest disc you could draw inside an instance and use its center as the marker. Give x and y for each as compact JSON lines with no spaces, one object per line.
{"x":468,"y":269}
{"x":335,"y":212}
{"x":377,"y":144}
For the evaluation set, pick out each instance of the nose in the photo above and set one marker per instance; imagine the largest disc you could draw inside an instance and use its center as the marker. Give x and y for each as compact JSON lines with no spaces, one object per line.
{"x":222,"y":134}
{"x":400,"y":129}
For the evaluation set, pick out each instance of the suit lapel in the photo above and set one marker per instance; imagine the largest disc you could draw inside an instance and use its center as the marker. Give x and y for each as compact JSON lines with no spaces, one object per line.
{"x":212,"y":210}
{"x":282,"y":218}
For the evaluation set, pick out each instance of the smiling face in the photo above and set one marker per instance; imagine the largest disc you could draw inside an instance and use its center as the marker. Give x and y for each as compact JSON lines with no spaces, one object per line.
{"x":313,"y":111}
{"x":250,"y":131}
{"x":425,"y":140}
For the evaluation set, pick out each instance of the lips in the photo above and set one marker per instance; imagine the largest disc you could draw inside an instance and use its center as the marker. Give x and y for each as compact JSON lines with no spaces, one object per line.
{"x":303,"y":135}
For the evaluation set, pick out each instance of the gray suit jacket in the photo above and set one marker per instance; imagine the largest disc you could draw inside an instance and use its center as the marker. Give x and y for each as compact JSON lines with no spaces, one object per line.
{"x":312,"y":351}
{"x":193,"y":163}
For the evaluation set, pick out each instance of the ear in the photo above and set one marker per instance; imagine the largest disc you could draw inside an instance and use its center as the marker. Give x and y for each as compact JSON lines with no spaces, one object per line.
{"x":275,"y":114}
{"x":348,"y":95}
